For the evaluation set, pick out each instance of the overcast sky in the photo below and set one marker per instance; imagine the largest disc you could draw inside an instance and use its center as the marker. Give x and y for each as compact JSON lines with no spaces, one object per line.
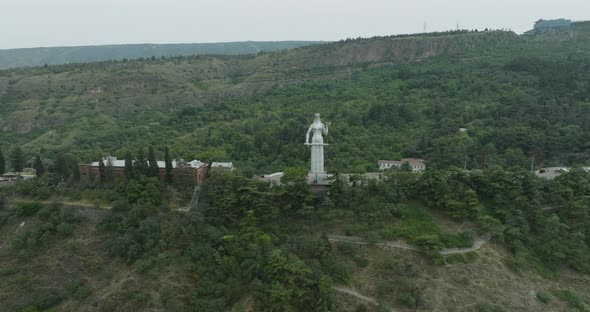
{"x":35,"y":23}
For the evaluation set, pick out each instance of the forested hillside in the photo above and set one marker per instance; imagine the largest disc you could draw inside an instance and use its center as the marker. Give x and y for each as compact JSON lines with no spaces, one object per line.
{"x":386,"y":96}
{"x":494,"y":237}
{"x":12,"y":58}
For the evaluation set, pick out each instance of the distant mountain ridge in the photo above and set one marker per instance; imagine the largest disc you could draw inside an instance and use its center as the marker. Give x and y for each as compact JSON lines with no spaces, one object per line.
{"x":28,"y":57}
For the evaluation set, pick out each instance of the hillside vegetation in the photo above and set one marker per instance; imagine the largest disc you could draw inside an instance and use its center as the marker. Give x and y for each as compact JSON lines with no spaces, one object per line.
{"x":250,"y":246}
{"x":12,"y":58}
{"x":387,"y":97}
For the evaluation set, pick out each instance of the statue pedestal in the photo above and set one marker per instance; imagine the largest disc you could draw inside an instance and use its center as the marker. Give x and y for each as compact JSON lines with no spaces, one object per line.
{"x":319,"y":179}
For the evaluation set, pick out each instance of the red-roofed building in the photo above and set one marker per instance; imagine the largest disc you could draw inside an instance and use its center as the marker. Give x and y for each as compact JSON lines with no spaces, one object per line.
{"x":198,"y":168}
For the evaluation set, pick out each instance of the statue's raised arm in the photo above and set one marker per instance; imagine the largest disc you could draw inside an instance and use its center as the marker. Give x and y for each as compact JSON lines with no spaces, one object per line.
{"x":325,"y":128}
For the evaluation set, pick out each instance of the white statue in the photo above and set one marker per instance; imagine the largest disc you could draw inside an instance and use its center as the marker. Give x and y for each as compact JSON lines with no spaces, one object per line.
{"x":317,"y":145}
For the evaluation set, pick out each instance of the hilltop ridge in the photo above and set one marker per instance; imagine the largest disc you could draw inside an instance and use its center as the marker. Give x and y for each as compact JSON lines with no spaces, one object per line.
{"x":27,"y":57}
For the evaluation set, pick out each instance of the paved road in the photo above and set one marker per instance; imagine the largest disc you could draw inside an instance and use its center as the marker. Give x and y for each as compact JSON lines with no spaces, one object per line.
{"x":447,"y":251}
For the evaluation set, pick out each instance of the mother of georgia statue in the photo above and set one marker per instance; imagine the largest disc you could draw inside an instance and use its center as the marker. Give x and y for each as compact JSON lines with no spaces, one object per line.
{"x":317,"y":144}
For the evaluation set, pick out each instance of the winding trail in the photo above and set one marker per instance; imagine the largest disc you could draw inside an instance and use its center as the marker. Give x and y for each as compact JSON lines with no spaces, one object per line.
{"x":445,"y":252}
{"x":357,"y":295}
{"x":360,"y":241}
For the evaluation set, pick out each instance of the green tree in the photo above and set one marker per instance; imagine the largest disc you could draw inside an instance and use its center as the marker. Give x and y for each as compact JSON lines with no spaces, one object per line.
{"x":406,"y":167}
{"x":101,"y":169}
{"x":295,"y":189}
{"x":141,"y":164}
{"x":128,"y":165}
{"x":153,"y":170}
{"x":76,"y":173}
{"x":431,"y":246}
{"x":2,"y":163}
{"x":550,"y":243}
{"x":492,"y":226}
{"x":38,"y":165}
{"x":168,"y":163}
{"x":109,"y":171}
{"x":61,"y":166}
{"x":17,"y":159}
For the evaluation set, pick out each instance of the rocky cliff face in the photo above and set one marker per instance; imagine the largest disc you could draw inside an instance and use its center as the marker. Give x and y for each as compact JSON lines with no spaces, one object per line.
{"x":386,"y":49}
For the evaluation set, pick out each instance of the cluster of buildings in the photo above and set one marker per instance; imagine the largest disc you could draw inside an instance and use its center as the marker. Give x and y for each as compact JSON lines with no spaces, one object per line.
{"x":542,"y":26}
{"x":197,"y":168}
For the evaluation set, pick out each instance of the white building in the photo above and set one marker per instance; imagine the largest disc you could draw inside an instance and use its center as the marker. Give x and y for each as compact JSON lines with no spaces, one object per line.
{"x":222,"y":166}
{"x":551,"y":173}
{"x":417,"y":164}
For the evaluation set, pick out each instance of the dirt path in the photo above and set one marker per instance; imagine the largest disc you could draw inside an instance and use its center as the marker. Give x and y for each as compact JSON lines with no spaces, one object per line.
{"x":476,"y":246}
{"x":360,"y":241}
{"x":355,"y":294}
{"x":62,"y":203}
{"x":447,"y":251}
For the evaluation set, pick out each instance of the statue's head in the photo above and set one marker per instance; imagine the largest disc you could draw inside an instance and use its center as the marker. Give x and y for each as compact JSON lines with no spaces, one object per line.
{"x":317,"y":115}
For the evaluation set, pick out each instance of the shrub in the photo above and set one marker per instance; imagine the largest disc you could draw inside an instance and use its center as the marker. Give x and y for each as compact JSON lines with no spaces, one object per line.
{"x":347,"y":248}
{"x":18,"y":242}
{"x":571,"y":297}
{"x":47,"y":299}
{"x":43,"y":192}
{"x":490,"y":307}
{"x":45,"y":212}
{"x":430,"y":245}
{"x":460,"y":240}
{"x":384,"y":289}
{"x":389,"y":262}
{"x":70,"y":216}
{"x":77,"y":290}
{"x":336,"y":269}
{"x":373,"y":237}
{"x":462,"y":258}
{"x":361,"y":308}
{"x":27,"y":209}
{"x":408,"y":293}
{"x":7,"y":270}
{"x":65,"y":229}
{"x":82,"y":292}
{"x":361,"y":262}
{"x":406,"y":299}
{"x":544,"y":296}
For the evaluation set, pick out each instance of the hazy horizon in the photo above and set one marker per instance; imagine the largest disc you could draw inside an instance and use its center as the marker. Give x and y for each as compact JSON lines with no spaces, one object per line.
{"x":62,"y":23}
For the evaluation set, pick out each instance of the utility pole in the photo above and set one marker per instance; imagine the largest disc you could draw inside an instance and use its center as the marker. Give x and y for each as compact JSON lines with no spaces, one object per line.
{"x":533,"y":163}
